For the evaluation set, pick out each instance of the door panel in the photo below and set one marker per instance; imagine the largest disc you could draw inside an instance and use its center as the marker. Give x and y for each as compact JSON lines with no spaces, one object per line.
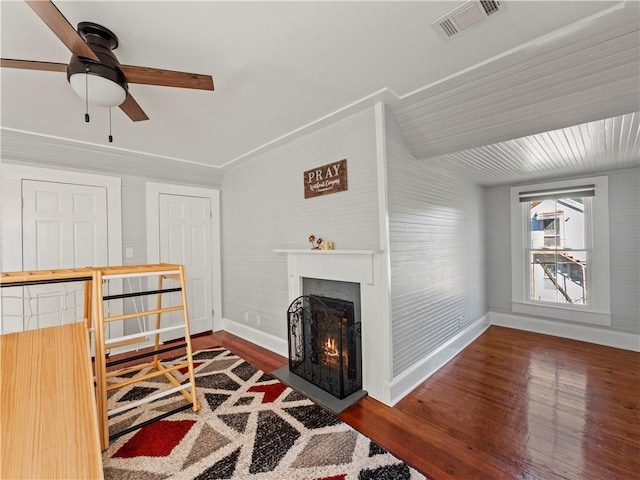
{"x":63,"y":226}
{"x":47,"y":246}
{"x":54,"y":218}
{"x":185,"y":238}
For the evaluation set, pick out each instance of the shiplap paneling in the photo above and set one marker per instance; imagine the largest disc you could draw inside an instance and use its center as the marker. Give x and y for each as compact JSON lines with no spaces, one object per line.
{"x":133,"y":220}
{"x":498,"y":248}
{"x":263,"y":208}
{"x":585,"y":149}
{"x":624,"y":245}
{"x":624,"y":238}
{"x":436,"y":232}
{"x":550,"y":85}
{"x":134,"y":235}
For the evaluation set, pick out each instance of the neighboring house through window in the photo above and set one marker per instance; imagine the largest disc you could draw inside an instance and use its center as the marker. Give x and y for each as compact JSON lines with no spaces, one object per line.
{"x":560,"y":250}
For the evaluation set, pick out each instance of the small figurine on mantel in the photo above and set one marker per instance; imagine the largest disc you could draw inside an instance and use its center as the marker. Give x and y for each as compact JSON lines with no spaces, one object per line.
{"x":315,"y":243}
{"x":319,"y":244}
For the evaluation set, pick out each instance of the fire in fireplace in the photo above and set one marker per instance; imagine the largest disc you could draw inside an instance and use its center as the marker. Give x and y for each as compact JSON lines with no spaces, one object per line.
{"x":324,"y":344}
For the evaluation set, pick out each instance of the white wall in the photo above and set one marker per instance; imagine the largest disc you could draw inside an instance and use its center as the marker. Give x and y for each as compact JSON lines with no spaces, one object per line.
{"x":498,"y":248}
{"x":624,"y":239}
{"x":263,"y":208}
{"x":624,"y":244}
{"x":436,"y":227}
{"x":134,"y":233}
{"x":134,"y":236}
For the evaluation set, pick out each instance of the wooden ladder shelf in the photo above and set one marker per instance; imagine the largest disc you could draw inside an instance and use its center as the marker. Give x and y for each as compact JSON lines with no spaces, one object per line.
{"x":104,"y":379}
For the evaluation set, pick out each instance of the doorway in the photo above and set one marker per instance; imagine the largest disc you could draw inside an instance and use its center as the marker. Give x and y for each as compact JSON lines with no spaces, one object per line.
{"x":55,"y":219}
{"x":183,"y":227}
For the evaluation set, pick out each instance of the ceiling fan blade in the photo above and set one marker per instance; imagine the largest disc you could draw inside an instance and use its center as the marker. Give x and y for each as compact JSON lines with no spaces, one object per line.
{"x":59,"y":25}
{"x":32,"y":65}
{"x":166,"y":78}
{"x":131,"y":108}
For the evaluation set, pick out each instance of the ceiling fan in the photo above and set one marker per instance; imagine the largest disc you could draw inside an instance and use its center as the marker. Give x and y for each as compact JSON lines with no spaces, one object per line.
{"x":94,"y":72}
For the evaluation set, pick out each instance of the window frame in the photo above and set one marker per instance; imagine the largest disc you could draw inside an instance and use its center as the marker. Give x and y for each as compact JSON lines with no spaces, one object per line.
{"x":596,"y":215}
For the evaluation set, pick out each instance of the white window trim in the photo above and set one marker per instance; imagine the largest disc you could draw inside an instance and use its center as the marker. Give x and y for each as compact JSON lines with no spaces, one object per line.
{"x":598,"y":312}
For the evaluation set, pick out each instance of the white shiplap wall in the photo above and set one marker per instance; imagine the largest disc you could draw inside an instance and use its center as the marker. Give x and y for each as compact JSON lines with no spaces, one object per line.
{"x":498,"y":248}
{"x":263,"y":208}
{"x":624,"y":245}
{"x":134,"y":226}
{"x":436,"y":228}
{"x":624,"y":239}
{"x":134,"y":235}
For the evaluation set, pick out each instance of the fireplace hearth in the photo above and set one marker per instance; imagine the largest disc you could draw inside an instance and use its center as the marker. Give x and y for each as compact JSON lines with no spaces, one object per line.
{"x":325,"y":344}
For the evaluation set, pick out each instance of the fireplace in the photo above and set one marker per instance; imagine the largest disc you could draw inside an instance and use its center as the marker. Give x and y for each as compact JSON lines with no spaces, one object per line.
{"x":364,"y":273}
{"x":325,"y":343}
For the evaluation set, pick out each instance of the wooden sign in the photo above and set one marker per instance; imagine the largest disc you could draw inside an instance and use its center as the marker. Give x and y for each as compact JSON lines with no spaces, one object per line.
{"x":326,"y":179}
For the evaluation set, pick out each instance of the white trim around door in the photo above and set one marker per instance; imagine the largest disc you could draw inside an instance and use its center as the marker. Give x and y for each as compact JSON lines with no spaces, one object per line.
{"x":12,"y":178}
{"x":153,"y":191}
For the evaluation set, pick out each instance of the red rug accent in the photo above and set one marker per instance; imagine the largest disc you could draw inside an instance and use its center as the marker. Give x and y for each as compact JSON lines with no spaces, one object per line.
{"x":156,"y":439}
{"x":335,"y":477}
{"x":271,"y":392}
{"x":185,"y":370}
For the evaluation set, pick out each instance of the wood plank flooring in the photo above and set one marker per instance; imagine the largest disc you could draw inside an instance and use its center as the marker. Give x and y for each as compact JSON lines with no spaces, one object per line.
{"x":512,"y":405}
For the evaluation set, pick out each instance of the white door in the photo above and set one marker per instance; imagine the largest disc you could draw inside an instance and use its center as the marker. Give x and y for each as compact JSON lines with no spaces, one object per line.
{"x":63,"y":226}
{"x":185,"y":238}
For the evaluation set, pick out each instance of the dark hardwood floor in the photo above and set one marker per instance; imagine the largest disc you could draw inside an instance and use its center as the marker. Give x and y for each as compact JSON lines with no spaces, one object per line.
{"x":512,"y":405}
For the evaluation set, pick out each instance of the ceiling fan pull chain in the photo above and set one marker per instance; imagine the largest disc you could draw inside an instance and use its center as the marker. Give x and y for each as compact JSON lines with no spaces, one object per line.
{"x":110,"y":136}
{"x":86,"y":93}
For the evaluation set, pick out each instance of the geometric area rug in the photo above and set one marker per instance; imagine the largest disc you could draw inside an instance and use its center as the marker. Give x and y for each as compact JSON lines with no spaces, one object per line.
{"x":250,"y":426}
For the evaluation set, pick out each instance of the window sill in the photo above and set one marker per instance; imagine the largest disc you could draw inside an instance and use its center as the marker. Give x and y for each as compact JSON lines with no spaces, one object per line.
{"x":563,"y":313}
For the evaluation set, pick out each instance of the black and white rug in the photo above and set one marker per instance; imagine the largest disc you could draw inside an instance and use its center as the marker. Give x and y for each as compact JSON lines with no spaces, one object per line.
{"x":250,"y":426}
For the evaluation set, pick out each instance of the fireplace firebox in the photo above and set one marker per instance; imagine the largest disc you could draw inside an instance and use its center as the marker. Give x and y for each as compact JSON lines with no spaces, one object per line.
{"x":325,"y":344}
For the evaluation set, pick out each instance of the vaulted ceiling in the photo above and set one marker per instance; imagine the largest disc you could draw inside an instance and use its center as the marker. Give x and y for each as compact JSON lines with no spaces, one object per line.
{"x":280,"y":66}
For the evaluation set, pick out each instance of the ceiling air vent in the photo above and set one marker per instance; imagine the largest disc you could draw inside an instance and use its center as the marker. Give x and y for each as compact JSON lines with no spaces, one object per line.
{"x":465,"y":16}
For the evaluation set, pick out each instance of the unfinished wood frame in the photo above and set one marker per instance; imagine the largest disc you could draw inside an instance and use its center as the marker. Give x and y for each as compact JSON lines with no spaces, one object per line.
{"x":94,"y":311}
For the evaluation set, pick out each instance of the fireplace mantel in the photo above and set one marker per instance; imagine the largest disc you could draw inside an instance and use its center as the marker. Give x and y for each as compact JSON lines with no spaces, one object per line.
{"x":341,"y":265}
{"x":327,"y":252}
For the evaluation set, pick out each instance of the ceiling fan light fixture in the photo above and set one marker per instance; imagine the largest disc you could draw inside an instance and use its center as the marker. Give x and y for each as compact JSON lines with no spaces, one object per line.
{"x":103,"y":80}
{"x":101,"y":91}
{"x":94,"y":72}
{"x":106,"y":86}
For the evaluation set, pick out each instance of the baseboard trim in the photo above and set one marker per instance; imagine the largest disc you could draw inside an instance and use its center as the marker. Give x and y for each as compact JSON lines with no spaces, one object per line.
{"x":584,"y":333}
{"x":263,"y":339}
{"x":407,"y":381}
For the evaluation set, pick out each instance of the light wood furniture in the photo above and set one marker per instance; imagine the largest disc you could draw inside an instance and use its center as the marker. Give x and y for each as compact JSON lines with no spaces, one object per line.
{"x":48,"y":421}
{"x":94,"y":313}
{"x":161,"y":272}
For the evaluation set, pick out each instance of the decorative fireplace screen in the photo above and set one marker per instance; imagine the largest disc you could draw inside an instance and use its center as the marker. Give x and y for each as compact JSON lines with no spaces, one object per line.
{"x":324,"y":344}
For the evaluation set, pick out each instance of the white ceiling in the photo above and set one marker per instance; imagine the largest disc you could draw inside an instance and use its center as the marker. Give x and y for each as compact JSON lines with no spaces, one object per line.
{"x":279,"y":66}
{"x":602,"y":145}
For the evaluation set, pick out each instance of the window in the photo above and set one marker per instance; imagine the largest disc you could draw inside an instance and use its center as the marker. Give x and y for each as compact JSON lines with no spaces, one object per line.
{"x":560,"y":250}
